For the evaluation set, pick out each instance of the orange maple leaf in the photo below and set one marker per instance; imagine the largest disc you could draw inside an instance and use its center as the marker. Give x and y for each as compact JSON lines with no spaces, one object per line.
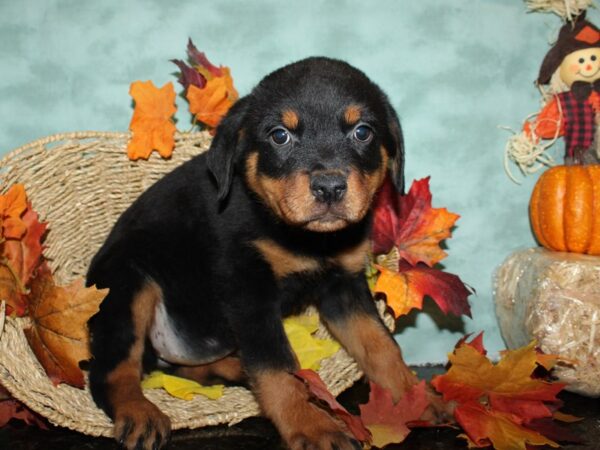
{"x":411,"y":224}
{"x":508,"y":384}
{"x":24,"y":255}
{"x":485,"y":427}
{"x":406,"y":288}
{"x":58,"y":334}
{"x":210,"y":103}
{"x":12,"y":206}
{"x":501,"y":404}
{"x":20,"y":248}
{"x":151,"y":124}
{"x":387,"y":421}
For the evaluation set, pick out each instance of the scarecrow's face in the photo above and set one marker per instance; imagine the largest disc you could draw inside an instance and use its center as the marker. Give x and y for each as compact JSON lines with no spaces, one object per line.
{"x":581,"y":65}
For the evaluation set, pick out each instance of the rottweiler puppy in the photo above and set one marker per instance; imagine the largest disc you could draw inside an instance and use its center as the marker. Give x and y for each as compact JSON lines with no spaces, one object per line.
{"x":274,"y":217}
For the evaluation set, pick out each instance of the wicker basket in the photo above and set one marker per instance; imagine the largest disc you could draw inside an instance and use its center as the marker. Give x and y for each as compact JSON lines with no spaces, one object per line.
{"x":79,"y":183}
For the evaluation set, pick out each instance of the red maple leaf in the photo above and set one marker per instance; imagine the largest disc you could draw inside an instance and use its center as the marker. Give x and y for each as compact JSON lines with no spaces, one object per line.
{"x":13,"y":409}
{"x":409,"y":223}
{"x":320,"y":391}
{"x":388,"y":422}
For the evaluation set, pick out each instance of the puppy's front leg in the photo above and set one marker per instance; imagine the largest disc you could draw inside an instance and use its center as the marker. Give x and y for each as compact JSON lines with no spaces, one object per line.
{"x":269,"y":362}
{"x":348,"y":309}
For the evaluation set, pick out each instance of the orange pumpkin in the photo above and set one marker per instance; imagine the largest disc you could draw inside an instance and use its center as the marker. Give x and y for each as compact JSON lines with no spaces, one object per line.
{"x":565,"y":209}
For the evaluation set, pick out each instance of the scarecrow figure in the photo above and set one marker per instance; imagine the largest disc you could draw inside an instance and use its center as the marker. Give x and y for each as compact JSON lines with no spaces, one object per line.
{"x":574,"y":113}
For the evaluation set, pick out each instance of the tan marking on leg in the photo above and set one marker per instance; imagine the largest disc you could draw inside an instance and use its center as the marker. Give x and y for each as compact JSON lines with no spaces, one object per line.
{"x":136,"y":417}
{"x":229,"y":368}
{"x":353,"y":260}
{"x":290,"y":119}
{"x":282,"y":261}
{"x":352,"y":114}
{"x":285,"y":400}
{"x":375,"y":351}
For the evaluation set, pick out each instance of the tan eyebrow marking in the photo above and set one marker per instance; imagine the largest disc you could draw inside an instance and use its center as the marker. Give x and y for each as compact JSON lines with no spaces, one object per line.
{"x":290,"y":119}
{"x":352,"y":114}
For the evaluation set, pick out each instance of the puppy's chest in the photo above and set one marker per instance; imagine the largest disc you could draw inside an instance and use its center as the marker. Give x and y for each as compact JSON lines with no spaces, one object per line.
{"x":285,"y":262}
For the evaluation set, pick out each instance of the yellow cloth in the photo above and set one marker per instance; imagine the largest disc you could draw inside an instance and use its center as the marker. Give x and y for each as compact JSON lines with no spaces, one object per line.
{"x":309,"y":349}
{"x":181,"y":387}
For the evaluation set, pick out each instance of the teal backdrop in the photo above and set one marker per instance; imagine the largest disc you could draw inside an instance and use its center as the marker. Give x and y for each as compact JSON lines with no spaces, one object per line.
{"x":454,"y":70}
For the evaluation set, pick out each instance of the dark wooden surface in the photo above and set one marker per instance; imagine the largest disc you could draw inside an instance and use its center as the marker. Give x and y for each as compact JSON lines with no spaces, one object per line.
{"x":259,"y":434}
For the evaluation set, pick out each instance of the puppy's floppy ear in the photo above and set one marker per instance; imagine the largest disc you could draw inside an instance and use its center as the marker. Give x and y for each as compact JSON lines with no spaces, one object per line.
{"x":225,"y":147}
{"x":395,"y":147}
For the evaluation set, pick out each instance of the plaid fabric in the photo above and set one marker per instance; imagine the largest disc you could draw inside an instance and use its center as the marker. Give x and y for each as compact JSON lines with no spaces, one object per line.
{"x":579,"y":122}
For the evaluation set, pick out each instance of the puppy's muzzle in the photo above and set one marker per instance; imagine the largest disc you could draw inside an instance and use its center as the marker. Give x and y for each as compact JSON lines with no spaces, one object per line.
{"x":328,"y":188}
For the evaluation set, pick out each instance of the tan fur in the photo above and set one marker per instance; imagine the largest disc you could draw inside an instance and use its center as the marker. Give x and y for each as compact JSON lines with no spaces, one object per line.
{"x":285,"y":400}
{"x":375,"y":351}
{"x":352,"y":114}
{"x":282,"y":261}
{"x":290,"y":198}
{"x":290,"y":119}
{"x":131,"y":408}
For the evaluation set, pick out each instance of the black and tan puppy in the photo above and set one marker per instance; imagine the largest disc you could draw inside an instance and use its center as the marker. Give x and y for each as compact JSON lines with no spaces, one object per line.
{"x":274,"y":217}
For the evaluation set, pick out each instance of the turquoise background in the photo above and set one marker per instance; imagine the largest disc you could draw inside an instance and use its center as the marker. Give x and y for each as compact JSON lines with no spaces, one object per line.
{"x":454,"y":70}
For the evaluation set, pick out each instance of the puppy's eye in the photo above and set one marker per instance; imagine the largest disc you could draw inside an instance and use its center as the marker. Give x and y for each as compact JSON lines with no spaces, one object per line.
{"x":363,"y":133}
{"x":280,"y":136}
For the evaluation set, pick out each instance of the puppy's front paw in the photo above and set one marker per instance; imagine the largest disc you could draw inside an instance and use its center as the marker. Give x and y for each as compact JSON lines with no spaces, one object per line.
{"x":315,"y":429}
{"x":140,"y":425}
{"x":438,"y":412}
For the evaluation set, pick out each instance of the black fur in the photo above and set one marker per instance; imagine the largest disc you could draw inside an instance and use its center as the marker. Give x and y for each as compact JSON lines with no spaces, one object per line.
{"x":192,"y":232}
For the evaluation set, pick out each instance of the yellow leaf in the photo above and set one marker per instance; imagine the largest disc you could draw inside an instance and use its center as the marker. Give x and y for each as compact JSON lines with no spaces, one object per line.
{"x":181,"y":387}
{"x":309,"y":349}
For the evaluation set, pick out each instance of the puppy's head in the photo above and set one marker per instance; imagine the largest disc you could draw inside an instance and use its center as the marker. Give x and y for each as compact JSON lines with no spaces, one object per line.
{"x":313,"y":141}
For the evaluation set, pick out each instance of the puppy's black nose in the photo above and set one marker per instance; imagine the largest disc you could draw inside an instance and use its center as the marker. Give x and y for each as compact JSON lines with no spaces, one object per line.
{"x":327,"y":187}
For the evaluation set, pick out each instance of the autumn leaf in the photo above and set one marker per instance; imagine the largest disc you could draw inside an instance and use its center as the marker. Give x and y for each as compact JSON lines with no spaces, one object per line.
{"x":16,"y":301}
{"x":501,"y":404}
{"x":411,"y":224}
{"x":12,"y":206}
{"x":508,"y":384}
{"x":320,"y":391}
{"x":485,"y":427}
{"x":209,"y":89}
{"x":151,"y":124}
{"x":201,"y":62}
{"x":189,"y":76}
{"x":24,"y":255}
{"x":476,"y":343}
{"x":405,"y":289}
{"x":212,"y":102}
{"x":20,"y":256}
{"x":387,"y":421}
{"x":58,"y":335}
{"x":13,"y":409}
